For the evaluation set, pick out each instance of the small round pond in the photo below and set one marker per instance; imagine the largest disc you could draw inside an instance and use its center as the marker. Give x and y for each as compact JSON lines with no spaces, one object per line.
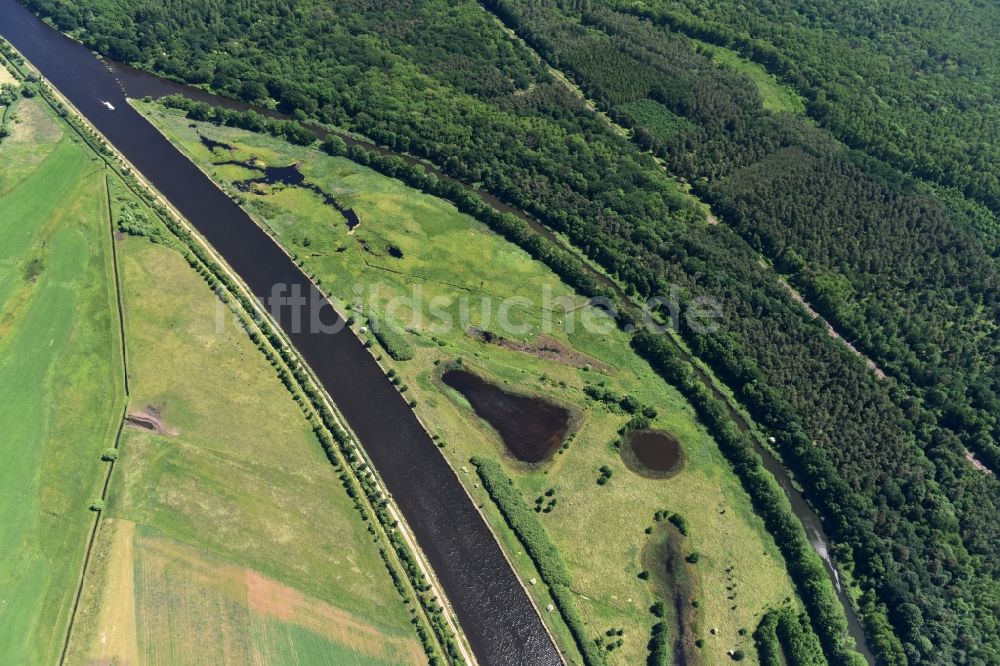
{"x":652,"y":453}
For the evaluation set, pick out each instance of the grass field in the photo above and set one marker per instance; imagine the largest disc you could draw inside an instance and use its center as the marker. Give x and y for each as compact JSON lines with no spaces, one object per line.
{"x":244,"y":547}
{"x":777,"y":96}
{"x":450,"y":264}
{"x":228,"y":537}
{"x":5,"y":75}
{"x":656,"y":118}
{"x":241,"y":616}
{"x":61,"y":383}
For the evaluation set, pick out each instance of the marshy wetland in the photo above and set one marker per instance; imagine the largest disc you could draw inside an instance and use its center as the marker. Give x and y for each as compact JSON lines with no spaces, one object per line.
{"x":460,"y":266}
{"x":287,"y":175}
{"x":653,"y":453}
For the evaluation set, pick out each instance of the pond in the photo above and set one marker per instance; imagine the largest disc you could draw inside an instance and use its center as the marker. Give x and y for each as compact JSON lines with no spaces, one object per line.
{"x":531,"y":428}
{"x":289,"y":175}
{"x":654,"y":453}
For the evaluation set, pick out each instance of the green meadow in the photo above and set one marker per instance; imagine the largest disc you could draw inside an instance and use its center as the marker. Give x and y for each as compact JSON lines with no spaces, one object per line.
{"x":227,"y":536}
{"x":230,"y":534}
{"x":440,"y":277}
{"x":61,"y":378}
{"x":776,"y":95}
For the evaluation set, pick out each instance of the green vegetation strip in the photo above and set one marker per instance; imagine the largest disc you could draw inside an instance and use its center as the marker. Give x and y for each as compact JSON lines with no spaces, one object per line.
{"x":59,"y":417}
{"x":529,"y":531}
{"x":390,"y":337}
{"x":783,"y":637}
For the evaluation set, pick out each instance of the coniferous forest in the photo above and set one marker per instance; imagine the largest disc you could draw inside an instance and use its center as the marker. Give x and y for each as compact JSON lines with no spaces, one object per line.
{"x":877,"y":199}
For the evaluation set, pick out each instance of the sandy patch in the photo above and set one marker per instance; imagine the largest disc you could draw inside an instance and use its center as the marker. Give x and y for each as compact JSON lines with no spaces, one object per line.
{"x":273,"y":599}
{"x":798,"y":298}
{"x":149,"y":419}
{"x":976,"y":463}
{"x":116,"y":640}
{"x":6,"y":76}
{"x":33,"y":125}
{"x":205,"y":599}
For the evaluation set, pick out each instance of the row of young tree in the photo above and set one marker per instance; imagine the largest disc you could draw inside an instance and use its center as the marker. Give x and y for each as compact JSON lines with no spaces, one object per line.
{"x":883,"y":462}
{"x":783,"y":637}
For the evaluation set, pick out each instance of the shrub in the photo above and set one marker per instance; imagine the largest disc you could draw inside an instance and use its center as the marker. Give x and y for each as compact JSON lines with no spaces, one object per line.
{"x":109,"y":455}
{"x":659,"y":646}
{"x":678,"y":521}
{"x":783,"y":632}
{"x":392,"y":339}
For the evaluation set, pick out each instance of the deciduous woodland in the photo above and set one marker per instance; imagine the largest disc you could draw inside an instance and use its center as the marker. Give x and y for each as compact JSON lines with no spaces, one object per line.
{"x":852,"y":149}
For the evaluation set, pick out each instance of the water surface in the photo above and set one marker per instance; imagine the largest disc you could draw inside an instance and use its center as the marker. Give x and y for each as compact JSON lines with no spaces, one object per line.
{"x":531,"y":427}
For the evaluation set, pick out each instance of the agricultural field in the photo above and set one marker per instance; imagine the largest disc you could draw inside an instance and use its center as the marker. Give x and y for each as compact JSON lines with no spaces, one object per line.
{"x":441,"y":280}
{"x":61,"y":377}
{"x":230,"y":538}
{"x":226,"y":536}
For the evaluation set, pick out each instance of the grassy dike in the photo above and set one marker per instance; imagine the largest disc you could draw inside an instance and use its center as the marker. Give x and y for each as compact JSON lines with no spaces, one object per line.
{"x":433,"y":623}
{"x":452,"y":260}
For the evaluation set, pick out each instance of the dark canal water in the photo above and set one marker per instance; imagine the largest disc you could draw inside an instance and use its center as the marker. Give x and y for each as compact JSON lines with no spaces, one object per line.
{"x":501,"y":623}
{"x":531,"y":428}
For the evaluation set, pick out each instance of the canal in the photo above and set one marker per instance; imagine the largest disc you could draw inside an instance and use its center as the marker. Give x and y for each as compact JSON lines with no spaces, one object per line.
{"x":501,"y":623}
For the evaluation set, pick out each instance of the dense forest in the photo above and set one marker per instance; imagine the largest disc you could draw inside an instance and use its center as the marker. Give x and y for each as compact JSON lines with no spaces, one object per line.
{"x":892,"y":241}
{"x":915,"y":82}
{"x":885,"y":261}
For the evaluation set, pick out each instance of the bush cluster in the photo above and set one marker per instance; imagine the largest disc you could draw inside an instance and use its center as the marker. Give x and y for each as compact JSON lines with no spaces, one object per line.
{"x":391,"y":338}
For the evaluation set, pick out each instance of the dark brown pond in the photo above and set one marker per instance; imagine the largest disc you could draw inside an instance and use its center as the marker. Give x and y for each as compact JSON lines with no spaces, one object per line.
{"x":653,"y":452}
{"x":531,"y":428}
{"x":212,"y":144}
